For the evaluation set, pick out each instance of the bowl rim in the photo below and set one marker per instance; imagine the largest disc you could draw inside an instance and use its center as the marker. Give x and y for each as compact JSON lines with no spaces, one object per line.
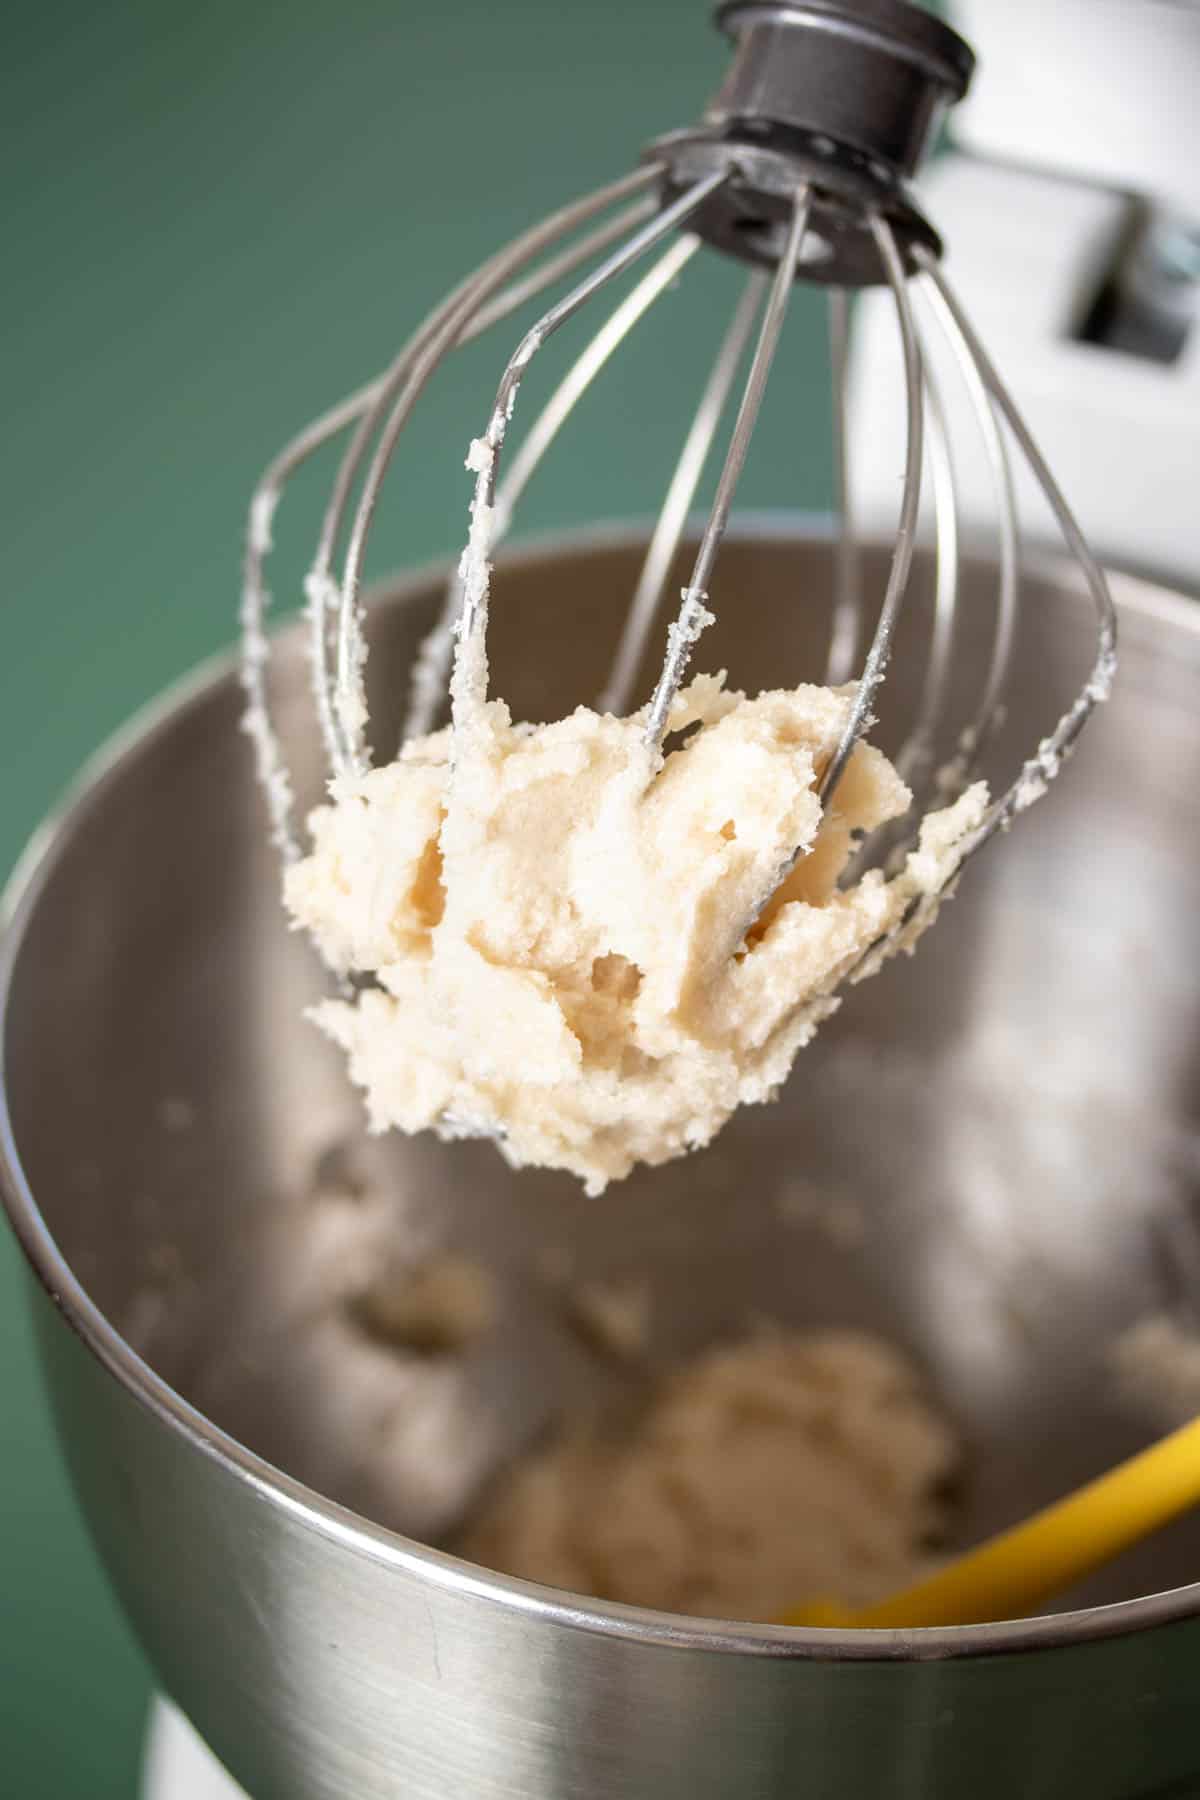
{"x":1136,"y":599}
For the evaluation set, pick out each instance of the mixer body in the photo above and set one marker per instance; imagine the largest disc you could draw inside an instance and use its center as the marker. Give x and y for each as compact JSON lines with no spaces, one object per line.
{"x":1012,"y":1115}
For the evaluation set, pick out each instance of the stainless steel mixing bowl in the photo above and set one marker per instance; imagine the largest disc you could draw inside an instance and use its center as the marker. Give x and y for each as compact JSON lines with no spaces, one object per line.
{"x":1008,"y":1122}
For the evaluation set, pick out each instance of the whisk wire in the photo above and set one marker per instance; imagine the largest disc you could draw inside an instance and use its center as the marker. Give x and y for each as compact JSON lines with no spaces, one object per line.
{"x":875,"y":666}
{"x":847,"y":603}
{"x":340,"y":704}
{"x":681,"y":493}
{"x":1041,"y":768}
{"x":473,"y":619}
{"x":1008,"y":528}
{"x":693,"y":614}
{"x":433,"y":659}
{"x":351,"y":648}
{"x":397,"y":393}
{"x":256,"y":599}
{"x":255,"y":604}
{"x":405,"y":383}
{"x":918,"y":749}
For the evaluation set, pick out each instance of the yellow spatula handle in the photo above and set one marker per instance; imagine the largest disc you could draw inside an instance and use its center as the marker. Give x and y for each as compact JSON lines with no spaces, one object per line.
{"x":1018,"y":1570}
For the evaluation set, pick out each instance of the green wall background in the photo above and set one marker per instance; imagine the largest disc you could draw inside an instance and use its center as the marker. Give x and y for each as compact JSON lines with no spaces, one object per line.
{"x":220,"y":217}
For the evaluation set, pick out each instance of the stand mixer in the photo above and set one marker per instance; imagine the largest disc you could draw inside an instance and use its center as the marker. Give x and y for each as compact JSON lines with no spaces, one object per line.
{"x":1052,"y":208}
{"x":177,"y":1766}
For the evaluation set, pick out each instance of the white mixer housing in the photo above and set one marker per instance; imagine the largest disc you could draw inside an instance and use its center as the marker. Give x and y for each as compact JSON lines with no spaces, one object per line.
{"x":1062,"y":154}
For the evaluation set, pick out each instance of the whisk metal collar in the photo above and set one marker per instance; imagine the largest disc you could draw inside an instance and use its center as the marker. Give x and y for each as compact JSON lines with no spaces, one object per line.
{"x":844,"y":96}
{"x":907,"y":31}
{"x":747,"y":216}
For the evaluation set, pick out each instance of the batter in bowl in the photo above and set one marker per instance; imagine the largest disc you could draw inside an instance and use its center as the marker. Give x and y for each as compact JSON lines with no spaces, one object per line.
{"x":787,"y":1466}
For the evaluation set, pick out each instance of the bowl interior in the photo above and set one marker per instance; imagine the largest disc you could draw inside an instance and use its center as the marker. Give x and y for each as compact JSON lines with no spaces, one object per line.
{"x":990,"y":1155}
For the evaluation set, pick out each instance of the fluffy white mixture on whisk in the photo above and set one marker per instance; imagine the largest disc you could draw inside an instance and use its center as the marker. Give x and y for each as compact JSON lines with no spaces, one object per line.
{"x":558,"y":931}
